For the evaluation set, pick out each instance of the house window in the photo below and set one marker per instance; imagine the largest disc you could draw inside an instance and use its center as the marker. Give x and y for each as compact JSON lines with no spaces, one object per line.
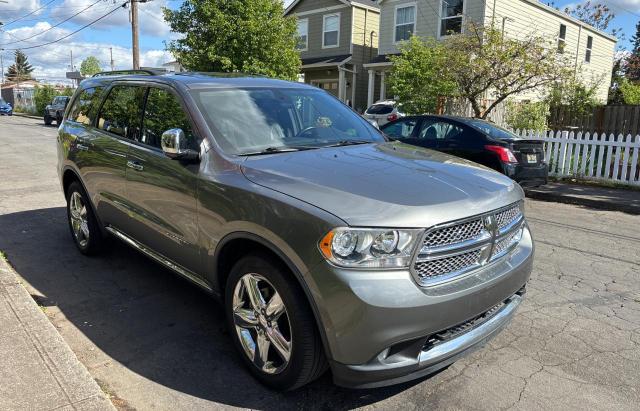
{"x":303,"y":34}
{"x":451,"y":16}
{"x":587,"y":55}
{"x":405,"y":22}
{"x":330,"y":30}
{"x":562,"y":38}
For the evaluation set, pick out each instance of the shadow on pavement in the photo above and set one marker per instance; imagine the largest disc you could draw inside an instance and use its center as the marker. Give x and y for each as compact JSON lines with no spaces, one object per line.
{"x":148,"y":319}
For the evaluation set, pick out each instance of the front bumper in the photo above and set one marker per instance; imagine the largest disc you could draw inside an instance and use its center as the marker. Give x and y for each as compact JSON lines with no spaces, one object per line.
{"x":377,"y":324}
{"x":400,"y":367}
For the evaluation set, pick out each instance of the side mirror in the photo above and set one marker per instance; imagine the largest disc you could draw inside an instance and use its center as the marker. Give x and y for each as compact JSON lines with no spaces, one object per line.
{"x":173,"y":143}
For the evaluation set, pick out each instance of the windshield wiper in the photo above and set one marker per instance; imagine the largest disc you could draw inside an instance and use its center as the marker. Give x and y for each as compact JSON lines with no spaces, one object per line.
{"x":344,"y":143}
{"x":275,"y":150}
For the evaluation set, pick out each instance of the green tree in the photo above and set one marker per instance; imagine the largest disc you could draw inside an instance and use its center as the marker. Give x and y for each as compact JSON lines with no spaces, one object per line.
{"x":42,"y":96}
{"x":632,"y":62}
{"x":527,"y":116}
{"x":485,"y":64}
{"x":417,"y":78}
{"x":20,"y":70}
{"x":90,"y":66}
{"x":630,"y":92}
{"x":251,"y":36}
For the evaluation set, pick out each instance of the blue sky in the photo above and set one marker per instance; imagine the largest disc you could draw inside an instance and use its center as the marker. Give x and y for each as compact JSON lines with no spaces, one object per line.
{"x":51,"y":62}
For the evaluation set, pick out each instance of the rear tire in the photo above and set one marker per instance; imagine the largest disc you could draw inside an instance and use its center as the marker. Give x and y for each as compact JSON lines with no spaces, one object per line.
{"x":252,"y":326}
{"x":83,"y":224}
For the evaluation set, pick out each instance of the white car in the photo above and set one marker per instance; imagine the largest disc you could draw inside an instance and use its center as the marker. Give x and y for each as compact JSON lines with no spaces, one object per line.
{"x":383,"y":112}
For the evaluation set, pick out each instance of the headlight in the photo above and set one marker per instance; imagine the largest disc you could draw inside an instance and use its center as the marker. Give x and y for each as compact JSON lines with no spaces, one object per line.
{"x":370,"y":248}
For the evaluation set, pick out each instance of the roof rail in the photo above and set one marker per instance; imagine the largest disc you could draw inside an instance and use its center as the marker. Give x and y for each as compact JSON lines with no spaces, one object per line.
{"x":144,"y":72}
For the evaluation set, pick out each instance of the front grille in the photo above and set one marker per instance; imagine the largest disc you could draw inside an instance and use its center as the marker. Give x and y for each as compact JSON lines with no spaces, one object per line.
{"x":506,"y":242}
{"x":454,"y":249}
{"x":454,"y":234}
{"x":457,"y":330}
{"x":438,"y":267}
{"x":508,"y":216}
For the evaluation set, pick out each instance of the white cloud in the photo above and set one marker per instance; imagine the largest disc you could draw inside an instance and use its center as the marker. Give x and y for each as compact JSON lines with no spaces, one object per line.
{"x":150,"y":15}
{"x":15,"y":9}
{"x":52,"y":62}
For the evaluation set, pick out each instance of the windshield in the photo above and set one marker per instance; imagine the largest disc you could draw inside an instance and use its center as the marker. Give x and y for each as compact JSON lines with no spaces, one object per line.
{"x":492,"y":130}
{"x":2,"y":102}
{"x":253,"y":120}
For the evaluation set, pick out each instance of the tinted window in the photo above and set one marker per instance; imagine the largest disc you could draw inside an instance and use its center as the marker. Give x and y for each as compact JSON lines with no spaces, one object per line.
{"x":439,"y":130}
{"x":85,"y":105}
{"x":492,"y":130}
{"x":250,"y":120}
{"x":400,"y":128}
{"x":380,"y":109}
{"x":163,"y":112}
{"x":121,"y":112}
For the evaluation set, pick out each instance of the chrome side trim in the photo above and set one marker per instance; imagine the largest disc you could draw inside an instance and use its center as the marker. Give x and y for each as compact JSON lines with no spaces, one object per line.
{"x":189,"y":275}
{"x":456,"y":345}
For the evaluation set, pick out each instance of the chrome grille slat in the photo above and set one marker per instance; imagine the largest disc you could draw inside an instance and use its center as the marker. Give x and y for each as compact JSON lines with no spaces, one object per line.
{"x":457,"y":248}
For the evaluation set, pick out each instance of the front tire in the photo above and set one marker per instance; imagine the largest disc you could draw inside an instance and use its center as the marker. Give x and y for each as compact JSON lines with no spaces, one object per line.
{"x":272,"y":325}
{"x":83,"y":224}
{"x":47,"y":120}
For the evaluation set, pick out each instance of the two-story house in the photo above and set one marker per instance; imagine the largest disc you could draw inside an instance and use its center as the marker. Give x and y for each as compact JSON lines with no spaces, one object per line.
{"x":591,"y":50}
{"x":336,"y":38}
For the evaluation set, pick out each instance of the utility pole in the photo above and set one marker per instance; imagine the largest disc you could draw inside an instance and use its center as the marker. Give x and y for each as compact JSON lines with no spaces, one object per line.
{"x":1,"y":72}
{"x":71,"y":67}
{"x":112,"y":65}
{"x":134,"y":34}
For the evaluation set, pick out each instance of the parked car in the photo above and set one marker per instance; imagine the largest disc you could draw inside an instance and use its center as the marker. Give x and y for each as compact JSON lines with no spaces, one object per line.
{"x":476,"y":140}
{"x":55,"y":110}
{"x":383,"y":112}
{"x":328,"y":246}
{"x":5,"y":108}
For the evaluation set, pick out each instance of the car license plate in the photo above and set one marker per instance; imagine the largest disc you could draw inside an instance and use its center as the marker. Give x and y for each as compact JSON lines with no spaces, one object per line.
{"x":532,"y":158}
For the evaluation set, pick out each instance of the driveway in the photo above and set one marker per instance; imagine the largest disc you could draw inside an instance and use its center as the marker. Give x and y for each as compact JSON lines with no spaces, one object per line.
{"x":153,"y":341}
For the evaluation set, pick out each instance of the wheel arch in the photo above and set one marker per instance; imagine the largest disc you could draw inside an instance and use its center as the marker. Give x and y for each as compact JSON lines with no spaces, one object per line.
{"x":234,"y":245}
{"x":69,"y":175}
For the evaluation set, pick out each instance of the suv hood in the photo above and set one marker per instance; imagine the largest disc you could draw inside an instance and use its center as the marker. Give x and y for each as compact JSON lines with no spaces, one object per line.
{"x":386,"y":184}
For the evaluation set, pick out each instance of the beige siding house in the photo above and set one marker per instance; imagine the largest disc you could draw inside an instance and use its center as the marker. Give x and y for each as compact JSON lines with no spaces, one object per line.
{"x":336,"y":38}
{"x":591,"y":50}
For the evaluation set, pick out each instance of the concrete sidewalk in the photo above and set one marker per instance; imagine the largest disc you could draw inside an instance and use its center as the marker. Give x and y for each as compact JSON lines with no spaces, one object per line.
{"x":591,"y":196}
{"x":38,"y":371}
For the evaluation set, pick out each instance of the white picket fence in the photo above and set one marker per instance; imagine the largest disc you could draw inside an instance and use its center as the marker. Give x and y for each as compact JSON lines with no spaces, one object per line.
{"x":590,"y":155}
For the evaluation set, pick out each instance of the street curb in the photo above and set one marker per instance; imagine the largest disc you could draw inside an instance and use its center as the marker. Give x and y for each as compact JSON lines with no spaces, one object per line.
{"x":581,"y":201}
{"x":27,"y":116}
{"x":39,"y":366}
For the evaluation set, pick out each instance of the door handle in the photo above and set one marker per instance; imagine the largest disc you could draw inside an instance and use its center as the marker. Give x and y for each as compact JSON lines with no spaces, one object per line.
{"x":135,"y":165}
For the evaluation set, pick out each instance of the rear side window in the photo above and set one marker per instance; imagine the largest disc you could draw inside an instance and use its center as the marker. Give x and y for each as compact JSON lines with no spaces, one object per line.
{"x":380,"y":109}
{"x":401,"y":128}
{"x":163,"y":112}
{"x":84,"y":106}
{"x":121,"y":112}
{"x":440,"y":130}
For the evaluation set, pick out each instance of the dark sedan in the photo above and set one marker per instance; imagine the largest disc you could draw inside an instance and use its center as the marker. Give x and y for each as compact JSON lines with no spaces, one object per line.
{"x":476,"y":140}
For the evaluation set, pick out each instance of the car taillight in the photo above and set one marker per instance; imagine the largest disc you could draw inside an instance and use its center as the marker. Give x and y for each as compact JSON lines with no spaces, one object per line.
{"x":506,"y":155}
{"x":392,"y":117}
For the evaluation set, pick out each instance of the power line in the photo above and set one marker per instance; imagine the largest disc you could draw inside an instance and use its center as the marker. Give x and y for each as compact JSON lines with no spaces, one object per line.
{"x":74,"y":32}
{"x":54,"y":26}
{"x":27,"y":15}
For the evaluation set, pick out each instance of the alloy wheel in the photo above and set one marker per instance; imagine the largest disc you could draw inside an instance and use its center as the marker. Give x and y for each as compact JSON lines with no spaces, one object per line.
{"x":79,"y":219}
{"x":262,"y":323}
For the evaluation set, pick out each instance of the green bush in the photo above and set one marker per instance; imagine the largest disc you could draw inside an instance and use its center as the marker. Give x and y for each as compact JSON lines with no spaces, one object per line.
{"x":43,"y":96}
{"x":630,"y":92}
{"x":527,"y":116}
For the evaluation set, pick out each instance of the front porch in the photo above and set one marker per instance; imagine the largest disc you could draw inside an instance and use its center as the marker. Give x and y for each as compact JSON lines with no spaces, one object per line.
{"x":377,"y":70}
{"x":335,"y":74}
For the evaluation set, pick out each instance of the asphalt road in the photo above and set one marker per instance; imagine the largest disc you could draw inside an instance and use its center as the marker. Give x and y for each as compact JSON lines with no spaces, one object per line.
{"x":153,"y":341}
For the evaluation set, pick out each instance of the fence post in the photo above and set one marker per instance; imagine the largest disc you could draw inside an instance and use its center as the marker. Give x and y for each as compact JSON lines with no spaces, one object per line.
{"x":584,"y":154}
{"x":563,"y":152}
{"x":633,"y":178}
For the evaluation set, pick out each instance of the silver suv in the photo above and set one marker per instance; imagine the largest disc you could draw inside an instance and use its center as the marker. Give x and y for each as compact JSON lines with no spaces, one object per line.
{"x":328,"y":246}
